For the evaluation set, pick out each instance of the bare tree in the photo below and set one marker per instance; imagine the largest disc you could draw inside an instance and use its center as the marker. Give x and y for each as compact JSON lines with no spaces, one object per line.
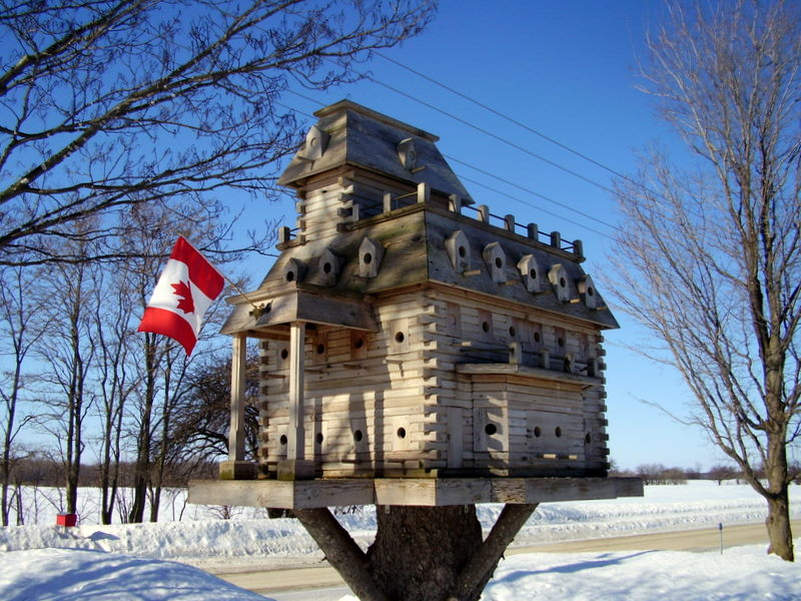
{"x":19,"y":330}
{"x":110,"y":104}
{"x":112,"y":318}
{"x":68,"y":351}
{"x":709,"y":260}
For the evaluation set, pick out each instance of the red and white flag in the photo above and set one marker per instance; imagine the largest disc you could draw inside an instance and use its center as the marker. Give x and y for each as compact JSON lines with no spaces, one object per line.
{"x":186,"y":288}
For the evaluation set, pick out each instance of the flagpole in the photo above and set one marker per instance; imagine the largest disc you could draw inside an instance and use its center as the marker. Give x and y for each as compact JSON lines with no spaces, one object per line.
{"x":256,"y":309}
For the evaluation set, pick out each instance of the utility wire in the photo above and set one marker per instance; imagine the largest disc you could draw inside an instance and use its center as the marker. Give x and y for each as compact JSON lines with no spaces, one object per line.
{"x":488,"y":133}
{"x":559,"y":216}
{"x":501,"y":179}
{"x":530,"y":191}
{"x":509,"y":119}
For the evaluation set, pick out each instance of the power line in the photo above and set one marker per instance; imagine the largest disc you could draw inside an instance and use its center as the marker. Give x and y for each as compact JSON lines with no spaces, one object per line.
{"x":559,"y":216}
{"x":530,"y":191}
{"x":489,"y":133}
{"x":509,"y":119}
{"x":504,"y":180}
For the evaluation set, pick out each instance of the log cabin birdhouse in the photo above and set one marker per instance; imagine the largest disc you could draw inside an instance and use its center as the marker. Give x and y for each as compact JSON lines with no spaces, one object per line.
{"x":406,"y":333}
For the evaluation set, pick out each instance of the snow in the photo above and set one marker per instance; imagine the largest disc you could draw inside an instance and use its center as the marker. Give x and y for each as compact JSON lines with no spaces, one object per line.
{"x":127,"y":562}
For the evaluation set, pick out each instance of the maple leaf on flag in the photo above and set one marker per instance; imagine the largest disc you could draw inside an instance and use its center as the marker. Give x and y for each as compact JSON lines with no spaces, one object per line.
{"x":184,"y":293}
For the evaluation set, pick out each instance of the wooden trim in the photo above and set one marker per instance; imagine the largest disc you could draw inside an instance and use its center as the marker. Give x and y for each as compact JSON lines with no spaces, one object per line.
{"x":428,"y":492}
{"x":236,"y":432}
{"x":295,"y":432}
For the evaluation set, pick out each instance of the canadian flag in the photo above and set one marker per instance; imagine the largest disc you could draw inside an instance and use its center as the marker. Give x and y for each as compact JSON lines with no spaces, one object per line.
{"x":186,"y":288}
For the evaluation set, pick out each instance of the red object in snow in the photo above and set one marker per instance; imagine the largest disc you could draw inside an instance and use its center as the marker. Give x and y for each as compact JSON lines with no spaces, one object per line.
{"x":67,"y":519}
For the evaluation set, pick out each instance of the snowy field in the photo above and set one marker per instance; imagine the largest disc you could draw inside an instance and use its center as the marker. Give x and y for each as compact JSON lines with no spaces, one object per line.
{"x":127,"y":562}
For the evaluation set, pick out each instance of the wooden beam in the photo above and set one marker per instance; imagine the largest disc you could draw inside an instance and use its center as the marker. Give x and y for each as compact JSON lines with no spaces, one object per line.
{"x":427,"y":492}
{"x":297,"y":339}
{"x":236,"y":433}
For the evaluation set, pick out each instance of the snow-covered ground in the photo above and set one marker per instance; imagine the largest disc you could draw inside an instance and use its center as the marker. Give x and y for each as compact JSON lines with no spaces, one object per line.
{"x":126,"y":562}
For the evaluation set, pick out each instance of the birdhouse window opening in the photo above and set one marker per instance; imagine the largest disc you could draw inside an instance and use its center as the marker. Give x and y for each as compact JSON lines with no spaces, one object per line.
{"x":367,"y":258}
{"x":537,"y":431}
{"x":320,"y":349}
{"x":357,"y":435}
{"x":512,"y":331}
{"x":562,"y":282}
{"x":536,"y":337}
{"x":284,"y":354}
{"x":358,"y":343}
{"x":560,"y":341}
{"x":490,"y":429}
{"x":498,"y":262}
{"x":587,"y":438}
{"x":462,"y":252}
{"x":290,"y":276}
{"x":485,"y":326}
{"x":319,"y":438}
{"x":557,"y":432}
{"x":590,"y":291}
{"x":283,"y":440}
{"x":401,"y":432}
{"x":532,"y":273}
{"x":400,"y":337}
{"x":327,"y":267}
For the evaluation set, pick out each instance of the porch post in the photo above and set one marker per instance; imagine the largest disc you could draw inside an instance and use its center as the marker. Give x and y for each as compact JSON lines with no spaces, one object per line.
{"x":296,"y":466}
{"x":236,"y":468}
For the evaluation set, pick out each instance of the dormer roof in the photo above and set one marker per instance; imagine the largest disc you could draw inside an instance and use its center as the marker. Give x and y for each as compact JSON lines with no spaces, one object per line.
{"x":360,"y":137}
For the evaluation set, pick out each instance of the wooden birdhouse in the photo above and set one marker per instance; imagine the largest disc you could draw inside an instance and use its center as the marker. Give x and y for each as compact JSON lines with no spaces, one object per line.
{"x":408,"y":336}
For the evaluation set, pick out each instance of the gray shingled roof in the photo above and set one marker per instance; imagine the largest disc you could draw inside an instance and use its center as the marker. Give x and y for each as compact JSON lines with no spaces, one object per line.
{"x":361,"y":137}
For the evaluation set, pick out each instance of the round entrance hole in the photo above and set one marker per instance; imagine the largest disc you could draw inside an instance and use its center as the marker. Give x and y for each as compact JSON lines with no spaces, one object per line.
{"x":485,"y":326}
{"x":537,"y":431}
{"x":320,"y":349}
{"x":401,"y":432}
{"x":283,"y":440}
{"x":358,"y":343}
{"x":327,"y":268}
{"x":536,"y":336}
{"x":290,"y":276}
{"x":399,"y":337}
{"x":368,"y":258}
{"x":490,"y":429}
{"x":498,"y":262}
{"x":357,"y":436}
{"x":319,"y":438}
{"x":561,"y":341}
{"x":532,"y":273}
{"x":512,"y":331}
{"x":562,"y":282}
{"x":462,"y":251}
{"x":590,"y":291}
{"x":558,"y":432}
{"x":587,"y":438}
{"x":284,"y":353}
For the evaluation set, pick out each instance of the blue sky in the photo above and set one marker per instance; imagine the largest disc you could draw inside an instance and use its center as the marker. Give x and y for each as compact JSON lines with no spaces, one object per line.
{"x":568,"y":70}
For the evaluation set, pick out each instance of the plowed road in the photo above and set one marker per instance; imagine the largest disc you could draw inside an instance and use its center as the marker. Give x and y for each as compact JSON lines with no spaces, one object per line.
{"x":306,"y":579}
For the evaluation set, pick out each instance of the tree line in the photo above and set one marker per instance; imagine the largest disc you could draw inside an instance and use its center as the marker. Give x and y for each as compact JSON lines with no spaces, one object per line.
{"x":124,"y":124}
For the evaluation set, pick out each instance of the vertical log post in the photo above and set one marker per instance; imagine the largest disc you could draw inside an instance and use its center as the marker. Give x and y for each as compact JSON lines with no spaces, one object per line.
{"x":236,"y":468}
{"x":296,"y":467}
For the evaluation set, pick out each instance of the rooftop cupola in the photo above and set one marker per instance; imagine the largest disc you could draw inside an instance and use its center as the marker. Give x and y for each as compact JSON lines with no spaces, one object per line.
{"x":356,"y":161}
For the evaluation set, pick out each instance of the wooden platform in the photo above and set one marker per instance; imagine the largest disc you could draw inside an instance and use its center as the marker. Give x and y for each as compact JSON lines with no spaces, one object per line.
{"x":430,"y":492}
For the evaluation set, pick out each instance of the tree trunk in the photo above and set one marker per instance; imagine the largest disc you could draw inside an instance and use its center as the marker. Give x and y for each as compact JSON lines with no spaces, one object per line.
{"x":778,"y":523}
{"x":419,"y":553}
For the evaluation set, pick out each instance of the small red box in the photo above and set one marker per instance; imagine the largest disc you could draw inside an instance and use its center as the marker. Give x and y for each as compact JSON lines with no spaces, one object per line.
{"x":67,"y":519}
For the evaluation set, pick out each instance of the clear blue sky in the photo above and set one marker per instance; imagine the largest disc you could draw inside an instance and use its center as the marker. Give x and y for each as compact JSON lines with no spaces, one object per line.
{"x":567,"y":69}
